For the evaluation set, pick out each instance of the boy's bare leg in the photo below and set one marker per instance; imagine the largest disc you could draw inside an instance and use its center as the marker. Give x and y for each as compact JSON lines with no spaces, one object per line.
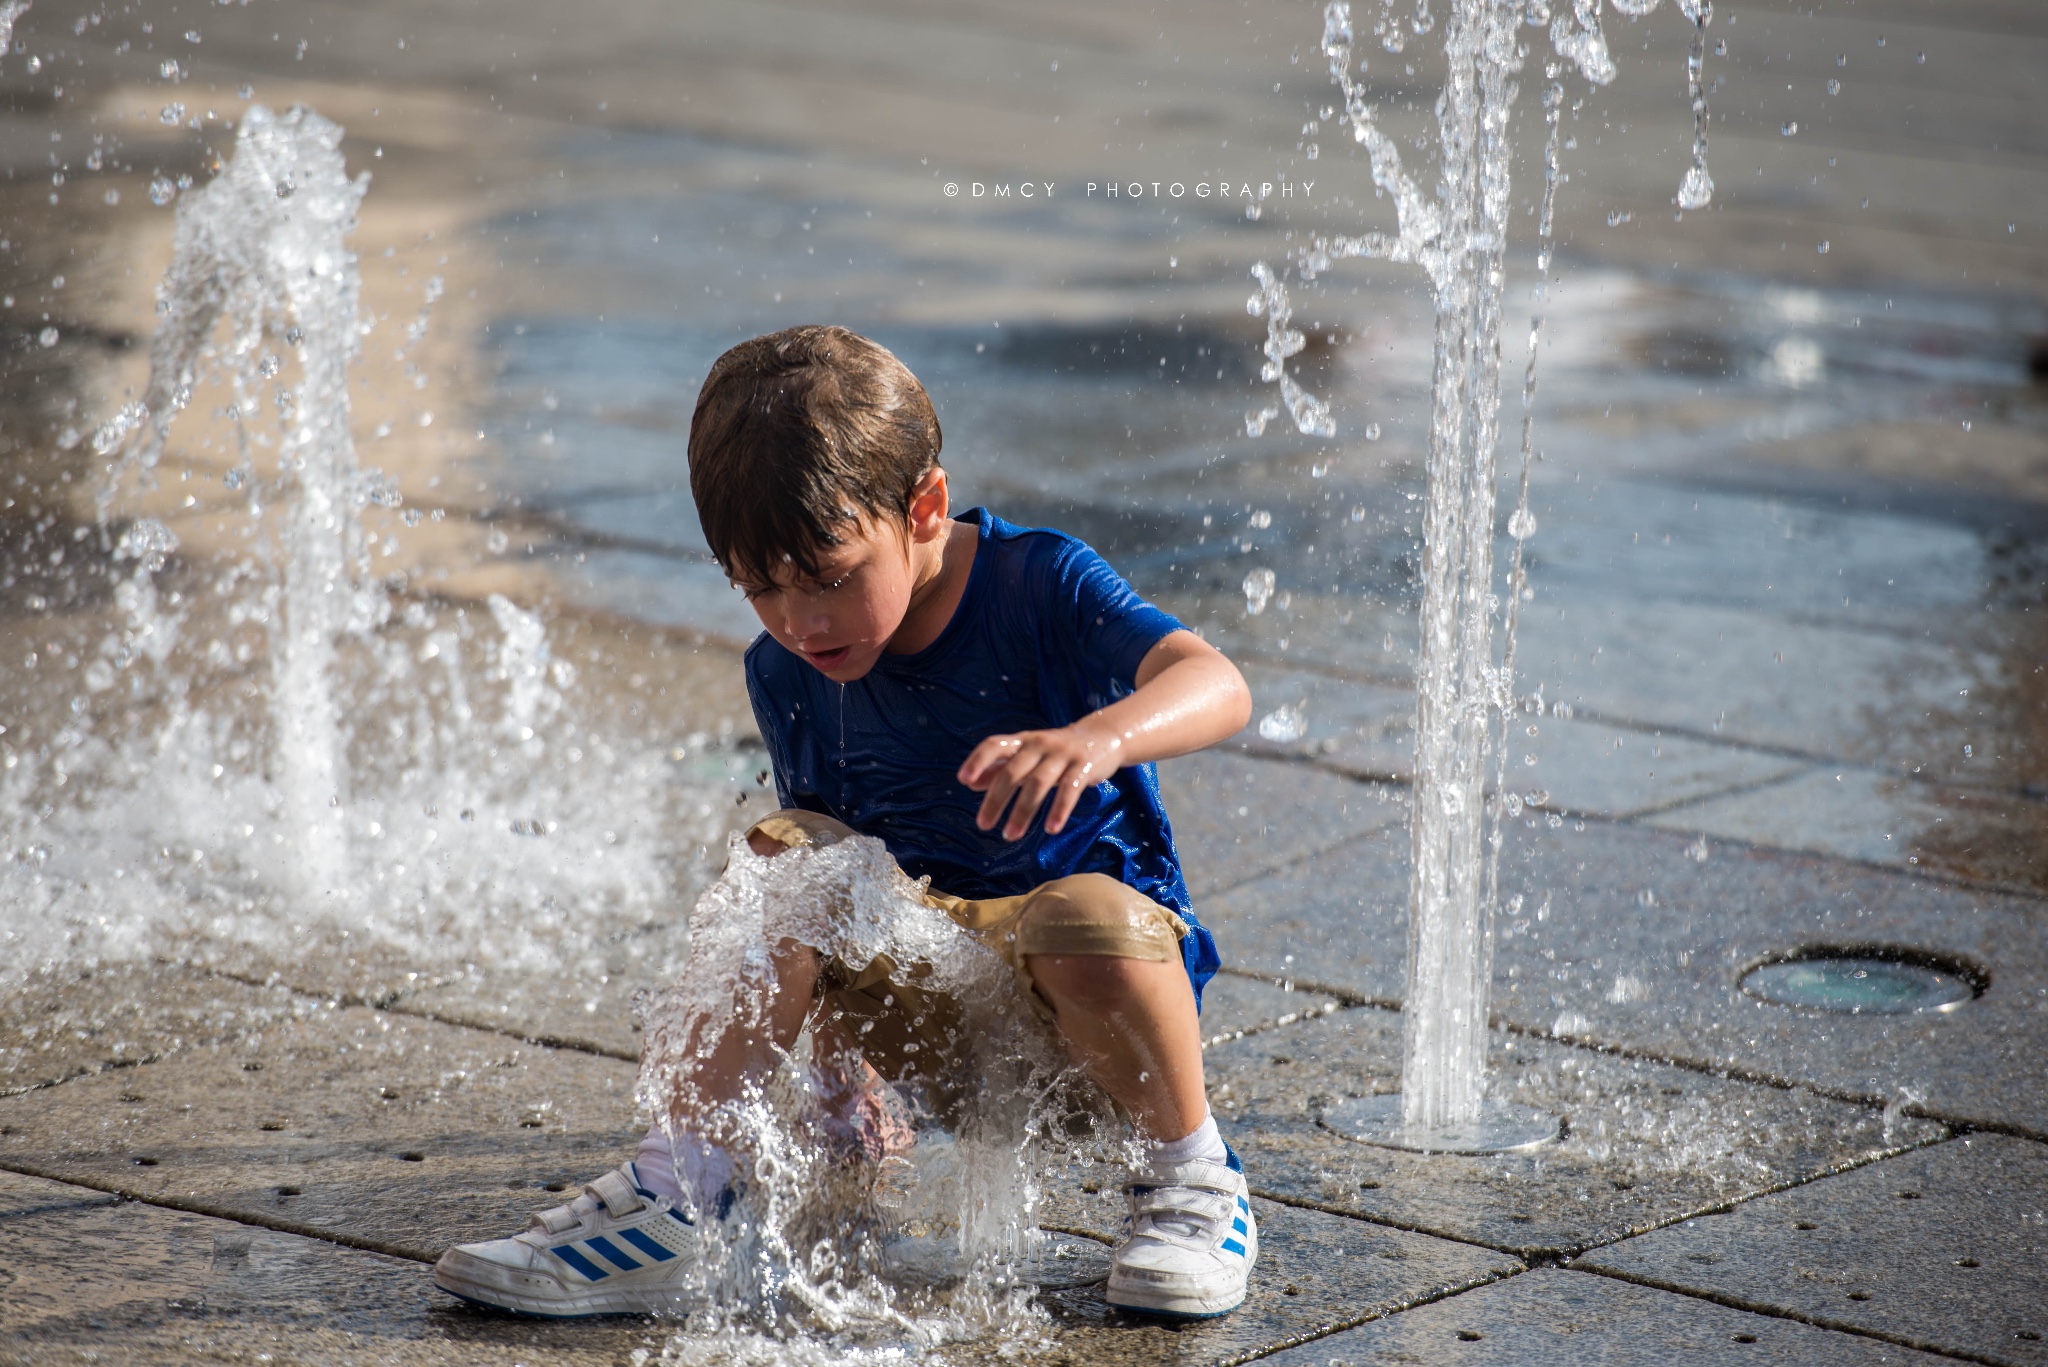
{"x":744,"y":1052}
{"x":1132,"y":1025}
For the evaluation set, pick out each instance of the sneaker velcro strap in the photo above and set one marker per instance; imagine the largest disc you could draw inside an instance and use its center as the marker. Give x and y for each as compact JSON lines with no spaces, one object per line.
{"x":616,"y":1192}
{"x":1200,"y":1176}
{"x":559,"y":1220}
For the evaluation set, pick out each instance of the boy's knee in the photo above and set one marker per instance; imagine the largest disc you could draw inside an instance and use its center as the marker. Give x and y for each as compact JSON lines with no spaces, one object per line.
{"x":791,"y":827}
{"x":1096,"y":982}
{"x":1093,"y":915}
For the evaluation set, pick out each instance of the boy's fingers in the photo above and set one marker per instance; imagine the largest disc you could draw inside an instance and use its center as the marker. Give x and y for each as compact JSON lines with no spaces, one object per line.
{"x":1004,"y":784}
{"x":1064,"y":800}
{"x":1043,"y":777}
{"x":986,"y":756}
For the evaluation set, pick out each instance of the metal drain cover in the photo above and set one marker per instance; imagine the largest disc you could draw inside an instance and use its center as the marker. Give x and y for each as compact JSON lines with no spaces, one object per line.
{"x":1863,"y":984}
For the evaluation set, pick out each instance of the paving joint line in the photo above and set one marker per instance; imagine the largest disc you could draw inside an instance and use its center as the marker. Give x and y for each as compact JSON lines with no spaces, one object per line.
{"x":1443,"y":1293}
{"x":1781,"y":1313}
{"x":195,"y":1206}
{"x":1600,"y":717}
{"x":1535,"y":1256}
{"x":1727,"y":1072}
{"x":1359,"y":774}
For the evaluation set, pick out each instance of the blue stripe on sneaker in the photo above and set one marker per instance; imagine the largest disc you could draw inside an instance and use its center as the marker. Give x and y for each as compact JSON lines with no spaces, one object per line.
{"x":590,"y":1270}
{"x":613,"y":1254}
{"x":646,"y":1245}
{"x":1233,"y":1246}
{"x":1238,"y":1225}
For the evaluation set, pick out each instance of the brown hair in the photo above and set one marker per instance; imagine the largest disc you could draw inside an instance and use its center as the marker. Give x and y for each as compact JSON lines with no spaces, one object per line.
{"x":798,"y":434}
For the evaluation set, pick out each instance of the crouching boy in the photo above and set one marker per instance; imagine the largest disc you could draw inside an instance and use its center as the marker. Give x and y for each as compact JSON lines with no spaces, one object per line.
{"x":988,"y":702}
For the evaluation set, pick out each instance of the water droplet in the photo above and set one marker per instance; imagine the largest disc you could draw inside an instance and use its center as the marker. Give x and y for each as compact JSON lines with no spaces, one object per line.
{"x":162,"y":191}
{"x":1258,"y":590}
{"x":1790,"y":128}
{"x":285,"y":188}
{"x":171,"y":113}
{"x":1284,"y":724}
{"x":48,"y":337}
{"x":1261,"y":520}
{"x":1521,"y":526}
{"x":267,"y":367}
{"x":1822,"y":248}
{"x":192,"y":35}
{"x":1372,"y":431}
{"x":1834,"y":87}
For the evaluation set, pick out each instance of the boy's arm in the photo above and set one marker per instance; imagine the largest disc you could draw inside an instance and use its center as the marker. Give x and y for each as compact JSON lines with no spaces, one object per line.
{"x":1188,"y":697}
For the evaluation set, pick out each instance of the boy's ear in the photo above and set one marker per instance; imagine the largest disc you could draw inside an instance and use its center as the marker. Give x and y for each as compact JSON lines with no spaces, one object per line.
{"x":930,"y":506}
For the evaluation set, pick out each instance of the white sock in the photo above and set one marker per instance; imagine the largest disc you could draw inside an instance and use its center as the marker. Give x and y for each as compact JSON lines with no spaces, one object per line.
{"x":656,"y":1164}
{"x":705,"y":1170}
{"x":1205,"y":1143}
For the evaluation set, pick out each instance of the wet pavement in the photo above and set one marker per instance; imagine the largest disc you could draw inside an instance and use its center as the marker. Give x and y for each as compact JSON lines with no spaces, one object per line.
{"x":1781,"y":666}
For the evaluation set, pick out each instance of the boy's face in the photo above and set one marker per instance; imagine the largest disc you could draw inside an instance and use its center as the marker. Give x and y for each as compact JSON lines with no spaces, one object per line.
{"x":841,"y":619}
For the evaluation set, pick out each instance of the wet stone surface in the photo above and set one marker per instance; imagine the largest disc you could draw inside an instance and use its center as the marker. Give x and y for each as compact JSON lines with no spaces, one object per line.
{"x":1237,"y":817}
{"x":22,"y":1195}
{"x":1645,"y":1144}
{"x":1315,"y":1271}
{"x":143,"y":1284}
{"x":1946,"y":1247}
{"x":1629,"y":939}
{"x":408,"y":1133}
{"x":65,"y":1023}
{"x":1554,"y":1316}
{"x":1234,"y":1006}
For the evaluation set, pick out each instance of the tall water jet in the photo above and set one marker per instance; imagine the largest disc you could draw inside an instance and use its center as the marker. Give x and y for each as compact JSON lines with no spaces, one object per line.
{"x":260,"y":252}
{"x":1459,"y":237}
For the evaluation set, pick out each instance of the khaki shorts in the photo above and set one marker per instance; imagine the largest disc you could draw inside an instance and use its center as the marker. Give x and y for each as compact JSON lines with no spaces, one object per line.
{"x":1084,"y":913}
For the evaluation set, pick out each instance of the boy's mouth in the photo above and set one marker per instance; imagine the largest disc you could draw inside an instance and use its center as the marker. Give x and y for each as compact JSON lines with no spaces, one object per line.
{"x":829,"y":660}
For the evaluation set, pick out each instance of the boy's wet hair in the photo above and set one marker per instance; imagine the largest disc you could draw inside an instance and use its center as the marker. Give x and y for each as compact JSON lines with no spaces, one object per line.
{"x":798,"y":436}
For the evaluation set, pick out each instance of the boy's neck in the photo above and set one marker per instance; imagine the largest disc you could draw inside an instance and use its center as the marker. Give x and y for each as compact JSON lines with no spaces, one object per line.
{"x":941,"y":582}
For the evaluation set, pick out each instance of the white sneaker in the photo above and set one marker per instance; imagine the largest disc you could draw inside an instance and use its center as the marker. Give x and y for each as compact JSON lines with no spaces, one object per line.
{"x":1189,"y":1242}
{"x":618,"y":1249}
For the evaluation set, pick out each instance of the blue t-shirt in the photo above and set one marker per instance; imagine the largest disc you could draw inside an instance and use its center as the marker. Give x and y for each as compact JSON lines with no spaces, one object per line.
{"x":1045,"y":633}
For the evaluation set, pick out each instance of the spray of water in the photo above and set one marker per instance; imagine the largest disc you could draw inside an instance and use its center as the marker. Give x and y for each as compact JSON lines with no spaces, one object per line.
{"x":250,"y":753}
{"x":929,"y":1242}
{"x":1458,"y":236}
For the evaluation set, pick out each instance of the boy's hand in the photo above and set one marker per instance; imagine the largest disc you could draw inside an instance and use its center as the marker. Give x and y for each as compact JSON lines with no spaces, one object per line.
{"x":1030,"y":765}
{"x":1187,"y":697}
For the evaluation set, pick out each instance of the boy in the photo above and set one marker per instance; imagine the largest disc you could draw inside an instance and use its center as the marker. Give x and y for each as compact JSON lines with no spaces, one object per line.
{"x":987,"y":701}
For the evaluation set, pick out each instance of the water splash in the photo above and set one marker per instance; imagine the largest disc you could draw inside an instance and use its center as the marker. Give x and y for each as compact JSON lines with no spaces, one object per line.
{"x":913,"y":1249}
{"x":9,"y":14}
{"x":252,"y":754}
{"x":1458,"y":236}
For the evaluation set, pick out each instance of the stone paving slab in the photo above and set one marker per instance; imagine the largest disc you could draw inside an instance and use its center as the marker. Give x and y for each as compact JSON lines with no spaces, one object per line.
{"x":21,"y":1195}
{"x":1628,"y":939}
{"x":140,"y":1284}
{"x":1315,"y":1271}
{"x":1945,"y":1248}
{"x":1237,"y":817}
{"x":1234,"y":1006}
{"x":1827,"y":809}
{"x":1553,"y":1316}
{"x":1588,"y":768}
{"x":1351,"y":725}
{"x":1646,"y":1144}
{"x":402,"y":1133}
{"x":69,"y":1022}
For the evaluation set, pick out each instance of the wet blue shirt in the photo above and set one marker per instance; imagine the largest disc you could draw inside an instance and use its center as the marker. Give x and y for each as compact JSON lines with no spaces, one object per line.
{"x":1045,"y":633}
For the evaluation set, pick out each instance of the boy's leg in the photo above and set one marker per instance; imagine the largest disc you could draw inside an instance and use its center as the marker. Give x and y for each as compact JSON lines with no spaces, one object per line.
{"x":1107,"y":961}
{"x":1132,"y":1024}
